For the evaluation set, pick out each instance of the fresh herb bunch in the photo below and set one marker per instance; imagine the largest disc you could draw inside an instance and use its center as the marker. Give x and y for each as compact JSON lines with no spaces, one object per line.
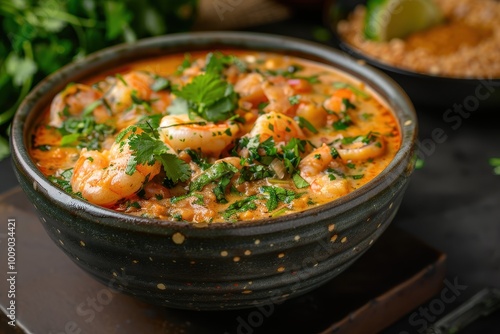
{"x":40,"y":36}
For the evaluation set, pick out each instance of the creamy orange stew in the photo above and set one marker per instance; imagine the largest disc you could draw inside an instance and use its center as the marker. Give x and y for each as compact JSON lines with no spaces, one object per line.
{"x":215,"y":136}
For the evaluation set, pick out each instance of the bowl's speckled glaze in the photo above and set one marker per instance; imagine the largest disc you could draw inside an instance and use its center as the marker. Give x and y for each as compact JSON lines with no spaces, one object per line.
{"x":221,"y":266}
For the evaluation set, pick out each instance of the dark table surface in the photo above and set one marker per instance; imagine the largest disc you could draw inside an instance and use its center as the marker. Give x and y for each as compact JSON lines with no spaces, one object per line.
{"x":452,"y":202}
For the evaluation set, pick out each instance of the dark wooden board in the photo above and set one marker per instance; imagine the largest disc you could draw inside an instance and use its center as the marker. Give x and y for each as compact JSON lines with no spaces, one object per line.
{"x":53,"y":295}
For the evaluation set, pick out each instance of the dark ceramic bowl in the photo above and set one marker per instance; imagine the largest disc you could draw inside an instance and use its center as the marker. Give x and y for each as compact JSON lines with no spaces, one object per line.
{"x":221,"y":266}
{"x":428,"y":91}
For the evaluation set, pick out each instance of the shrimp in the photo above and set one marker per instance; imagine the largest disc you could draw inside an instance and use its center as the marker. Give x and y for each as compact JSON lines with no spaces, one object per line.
{"x":102,"y":179}
{"x":359,"y":150}
{"x":131,"y":96}
{"x":312,"y":167}
{"x":273,"y":124}
{"x":181,"y":132}
{"x":250,"y":89}
{"x":315,"y":162}
{"x":278,"y":95}
{"x":72,"y":101}
{"x":335,"y":102}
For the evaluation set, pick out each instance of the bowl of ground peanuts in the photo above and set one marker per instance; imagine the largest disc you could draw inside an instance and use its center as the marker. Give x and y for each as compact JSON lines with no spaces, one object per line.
{"x":452,"y":61}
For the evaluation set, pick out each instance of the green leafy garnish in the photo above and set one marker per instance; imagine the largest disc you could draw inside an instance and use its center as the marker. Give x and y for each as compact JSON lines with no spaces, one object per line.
{"x":495,"y":163}
{"x":299,"y":181}
{"x":214,"y":172}
{"x":295,"y":99}
{"x":291,"y":154}
{"x":63,"y":181}
{"x":160,"y":83}
{"x":277,"y":195}
{"x":304,"y":123}
{"x":147,"y":149}
{"x":246,"y":204}
{"x":210,"y":97}
{"x":354,"y":89}
{"x":186,"y":63}
{"x":220,"y":189}
{"x":254,"y":172}
{"x":217,"y":62}
{"x":84,"y":132}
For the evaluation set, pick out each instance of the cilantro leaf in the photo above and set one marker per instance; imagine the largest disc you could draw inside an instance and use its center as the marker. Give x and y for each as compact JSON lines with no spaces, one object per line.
{"x":209,"y":97}
{"x":355,"y":90}
{"x":304,"y":123}
{"x":243,"y":205}
{"x":146,"y":150}
{"x":220,"y":189}
{"x":214,"y":172}
{"x":176,"y":169}
{"x":254,"y":172}
{"x":277,"y":195}
{"x":216,"y":62}
{"x":84,"y":132}
{"x":299,"y":181}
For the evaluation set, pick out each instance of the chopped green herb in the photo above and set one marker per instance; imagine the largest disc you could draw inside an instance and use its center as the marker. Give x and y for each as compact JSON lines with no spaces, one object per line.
{"x":135,"y":205}
{"x":186,"y":63}
{"x":198,"y":159}
{"x":120,"y":77}
{"x":220,"y":189}
{"x":84,"y":132}
{"x":210,"y":97}
{"x":63,"y":181}
{"x":243,"y":205}
{"x":254,"y":172}
{"x":214,"y":172}
{"x":147,"y":148}
{"x":334,"y":153}
{"x":355,"y":89}
{"x":277,"y":195}
{"x":160,"y":83}
{"x":344,"y":122}
{"x":43,"y":148}
{"x":495,"y":163}
{"x":299,"y":181}
{"x":295,"y":99}
{"x":262,"y":105}
{"x":91,"y":107}
{"x":348,"y":104}
{"x":419,"y":163}
{"x":366,"y":116}
{"x":216,"y":62}
{"x":304,"y":123}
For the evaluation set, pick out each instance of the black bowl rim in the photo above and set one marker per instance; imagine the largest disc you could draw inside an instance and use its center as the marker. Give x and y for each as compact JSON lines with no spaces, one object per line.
{"x":358,"y":53}
{"x":263,"y":42}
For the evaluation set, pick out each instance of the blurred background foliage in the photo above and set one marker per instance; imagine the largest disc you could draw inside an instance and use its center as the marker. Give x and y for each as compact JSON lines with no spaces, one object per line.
{"x":40,"y":36}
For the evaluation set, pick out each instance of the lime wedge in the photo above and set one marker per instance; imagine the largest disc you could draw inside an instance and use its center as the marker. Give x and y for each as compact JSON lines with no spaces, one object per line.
{"x":388,"y":19}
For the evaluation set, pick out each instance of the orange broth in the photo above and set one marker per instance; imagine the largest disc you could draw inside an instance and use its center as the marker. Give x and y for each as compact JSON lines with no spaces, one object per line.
{"x":212,"y":137}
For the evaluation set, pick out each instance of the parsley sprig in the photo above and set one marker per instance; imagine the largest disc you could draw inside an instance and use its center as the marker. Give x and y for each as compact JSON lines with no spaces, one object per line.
{"x":265,"y":152}
{"x":147,"y":149}
{"x":84,"y":132}
{"x":276,"y":195}
{"x":208,"y":96}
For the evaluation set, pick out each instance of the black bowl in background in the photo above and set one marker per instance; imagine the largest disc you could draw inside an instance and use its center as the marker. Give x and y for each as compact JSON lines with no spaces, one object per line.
{"x":425,"y":91}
